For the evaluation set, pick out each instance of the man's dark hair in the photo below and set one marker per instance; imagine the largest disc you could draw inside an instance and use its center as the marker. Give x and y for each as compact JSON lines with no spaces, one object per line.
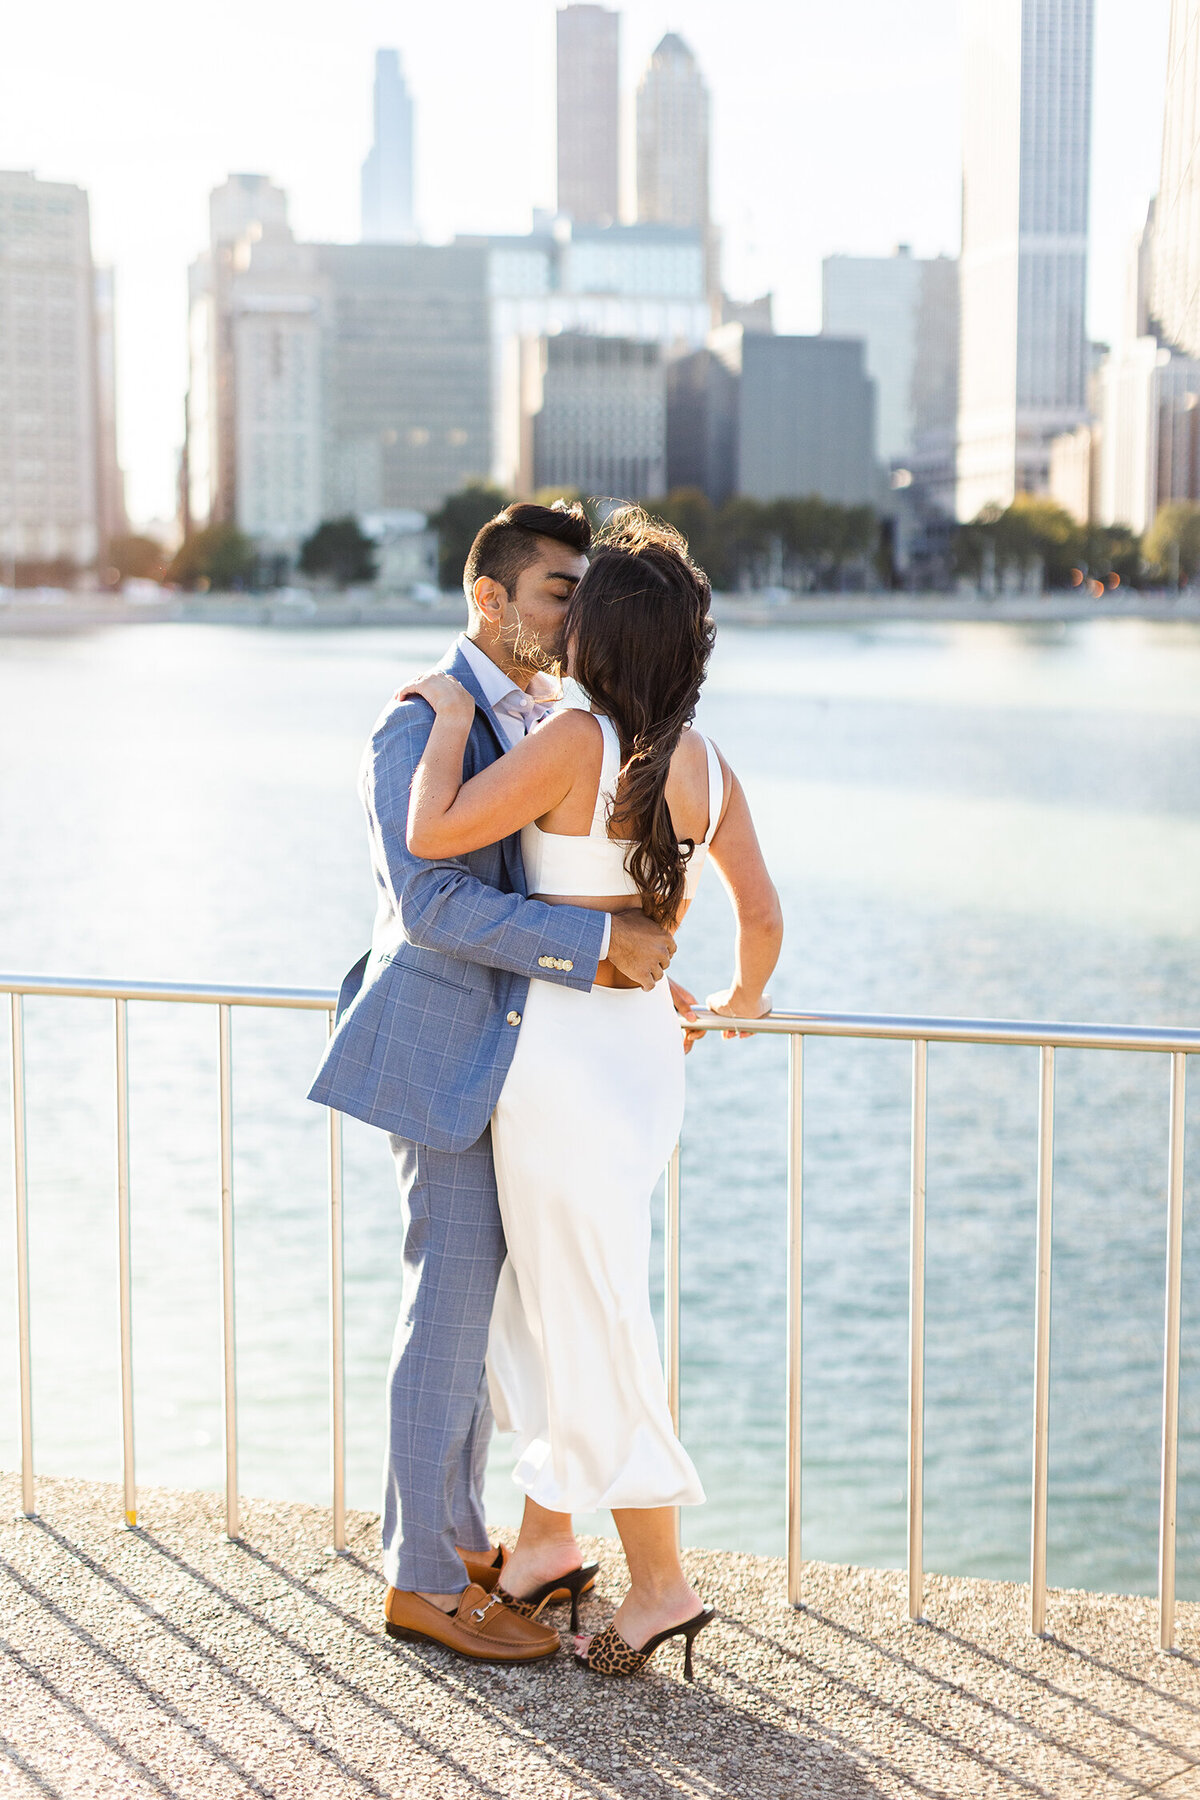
{"x":509,"y":542}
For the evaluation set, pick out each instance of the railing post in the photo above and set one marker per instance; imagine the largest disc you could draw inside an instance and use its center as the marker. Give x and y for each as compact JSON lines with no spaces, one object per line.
{"x":1041,"y":1347}
{"x":125,"y":1259}
{"x":1170,"y":1420}
{"x":795,"y":1170}
{"x":229,"y":1341}
{"x":21,"y":1194}
{"x":337,"y":1324}
{"x":916,"y":1337}
{"x":671,"y":1267}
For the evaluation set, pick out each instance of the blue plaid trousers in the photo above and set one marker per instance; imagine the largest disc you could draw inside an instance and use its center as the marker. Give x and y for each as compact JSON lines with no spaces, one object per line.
{"x":439,"y":1419}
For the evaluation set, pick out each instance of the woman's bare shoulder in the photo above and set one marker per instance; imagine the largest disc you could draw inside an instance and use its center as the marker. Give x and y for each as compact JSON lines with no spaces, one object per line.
{"x":570,"y":728}
{"x":691,"y":757}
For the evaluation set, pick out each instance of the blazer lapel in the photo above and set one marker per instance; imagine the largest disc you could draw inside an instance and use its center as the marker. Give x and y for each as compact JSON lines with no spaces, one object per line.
{"x":455,"y":663}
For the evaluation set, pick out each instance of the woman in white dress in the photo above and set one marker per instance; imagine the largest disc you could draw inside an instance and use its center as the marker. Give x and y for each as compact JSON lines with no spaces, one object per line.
{"x":619,"y":806}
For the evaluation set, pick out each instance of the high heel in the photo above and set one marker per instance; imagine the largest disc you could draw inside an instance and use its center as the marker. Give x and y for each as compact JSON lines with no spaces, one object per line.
{"x":609,"y":1654}
{"x":564,"y":1587}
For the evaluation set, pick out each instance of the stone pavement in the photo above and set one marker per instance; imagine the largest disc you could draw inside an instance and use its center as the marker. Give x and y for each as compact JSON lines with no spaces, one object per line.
{"x":167,"y":1661}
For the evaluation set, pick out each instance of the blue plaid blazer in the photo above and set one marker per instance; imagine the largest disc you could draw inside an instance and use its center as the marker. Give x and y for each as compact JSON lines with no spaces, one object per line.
{"x":428,"y":1018}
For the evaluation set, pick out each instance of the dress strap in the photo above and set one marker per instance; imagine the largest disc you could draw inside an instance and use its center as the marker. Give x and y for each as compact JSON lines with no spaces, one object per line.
{"x":716,"y":789}
{"x":610,"y":771}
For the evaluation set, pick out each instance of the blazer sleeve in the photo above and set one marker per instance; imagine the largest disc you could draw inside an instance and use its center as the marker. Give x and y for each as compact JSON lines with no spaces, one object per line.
{"x":441,"y":905}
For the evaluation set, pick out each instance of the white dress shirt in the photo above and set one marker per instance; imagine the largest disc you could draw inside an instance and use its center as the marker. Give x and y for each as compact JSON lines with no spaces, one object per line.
{"x":497,"y":689}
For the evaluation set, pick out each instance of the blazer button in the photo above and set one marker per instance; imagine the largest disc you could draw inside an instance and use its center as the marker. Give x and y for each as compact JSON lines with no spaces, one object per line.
{"x":514,"y":1018}
{"x":545,"y":962}
{"x":566,"y":964}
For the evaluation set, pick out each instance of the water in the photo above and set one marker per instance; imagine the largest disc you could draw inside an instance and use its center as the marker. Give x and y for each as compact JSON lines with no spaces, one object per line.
{"x":976,"y":819}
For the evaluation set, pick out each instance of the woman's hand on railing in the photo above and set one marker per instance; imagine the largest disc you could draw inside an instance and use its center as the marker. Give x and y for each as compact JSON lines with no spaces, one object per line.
{"x":685,"y":1007}
{"x":736,"y":1003}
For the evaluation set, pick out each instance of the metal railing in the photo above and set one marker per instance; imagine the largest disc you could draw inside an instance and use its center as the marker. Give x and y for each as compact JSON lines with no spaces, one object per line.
{"x":917,"y":1031}
{"x":19,"y":988}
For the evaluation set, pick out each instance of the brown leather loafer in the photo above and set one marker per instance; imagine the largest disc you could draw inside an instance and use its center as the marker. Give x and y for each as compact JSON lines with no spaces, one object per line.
{"x":483,"y":1628}
{"x":484,"y":1566}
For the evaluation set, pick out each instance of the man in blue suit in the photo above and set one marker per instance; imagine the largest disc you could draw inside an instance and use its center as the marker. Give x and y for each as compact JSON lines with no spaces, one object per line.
{"x":427,"y":1026}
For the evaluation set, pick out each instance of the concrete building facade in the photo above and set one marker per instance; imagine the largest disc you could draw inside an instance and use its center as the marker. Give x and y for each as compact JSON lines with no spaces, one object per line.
{"x":774,"y":417}
{"x":805,"y":418}
{"x":1149,"y":432}
{"x":1023,"y":363}
{"x":388,"y":215}
{"x":407,"y":389}
{"x":645,"y":283}
{"x":1176,"y":284}
{"x":59,"y":481}
{"x":589,"y":114}
{"x":673,"y":139}
{"x":905,"y":310}
{"x":702,"y":423}
{"x":110,"y":482}
{"x":329,"y":379}
{"x":594,"y":416}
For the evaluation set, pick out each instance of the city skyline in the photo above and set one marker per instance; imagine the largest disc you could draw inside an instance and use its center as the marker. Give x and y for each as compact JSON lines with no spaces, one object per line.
{"x":875,"y":132}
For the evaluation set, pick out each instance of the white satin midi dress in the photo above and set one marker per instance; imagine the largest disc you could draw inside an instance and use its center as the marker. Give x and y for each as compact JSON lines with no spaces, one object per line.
{"x":586,"y":1121}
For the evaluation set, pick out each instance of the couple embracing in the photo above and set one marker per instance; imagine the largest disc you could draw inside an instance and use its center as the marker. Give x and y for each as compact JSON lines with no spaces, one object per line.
{"x":513,"y":1030}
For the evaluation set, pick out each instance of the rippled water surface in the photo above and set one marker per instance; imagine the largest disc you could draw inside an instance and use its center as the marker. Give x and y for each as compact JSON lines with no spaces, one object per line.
{"x":979,"y":820}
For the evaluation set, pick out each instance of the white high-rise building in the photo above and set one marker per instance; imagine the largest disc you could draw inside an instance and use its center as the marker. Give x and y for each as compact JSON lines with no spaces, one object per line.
{"x":588,"y":114}
{"x":1149,"y":432}
{"x":59,"y":483}
{"x":1023,"y":364}
{"x":387,"y":173}
{"x":672,"y":139}
{"x":905,"y":309}
{"x":244,"y":210}
{"x":1177,"y":215}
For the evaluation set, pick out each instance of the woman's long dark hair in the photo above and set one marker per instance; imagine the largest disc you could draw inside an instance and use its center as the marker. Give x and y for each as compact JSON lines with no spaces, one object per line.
{"x":640,"y":635}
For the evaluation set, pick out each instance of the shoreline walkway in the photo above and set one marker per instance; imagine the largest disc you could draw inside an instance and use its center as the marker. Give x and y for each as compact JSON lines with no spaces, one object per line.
{"x":168,"y":1661}
{"x":80,"y":613}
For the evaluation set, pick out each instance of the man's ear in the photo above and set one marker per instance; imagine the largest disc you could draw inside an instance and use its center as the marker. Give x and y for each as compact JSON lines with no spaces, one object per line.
{"x":489,"y":598}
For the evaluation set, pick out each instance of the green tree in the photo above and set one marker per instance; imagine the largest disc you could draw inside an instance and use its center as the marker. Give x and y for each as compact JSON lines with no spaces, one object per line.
{"x":340,"y":550}
{"x":1033,"y":530}
{"x":692,"y":514}
{"x":1113,"y":550}
{"x":130,"y":557}
{"x":457,"y":523}
{"x":218,"y":556}
{"x":1172,"y":544}
{"x":744,"y":531}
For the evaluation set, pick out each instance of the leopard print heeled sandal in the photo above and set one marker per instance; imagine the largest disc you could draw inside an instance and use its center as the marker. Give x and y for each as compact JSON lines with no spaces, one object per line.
{"x":609,"y":1654}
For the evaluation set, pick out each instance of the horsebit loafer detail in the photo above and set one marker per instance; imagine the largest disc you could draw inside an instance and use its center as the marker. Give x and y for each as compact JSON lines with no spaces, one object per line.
{"x":482,"y":1628}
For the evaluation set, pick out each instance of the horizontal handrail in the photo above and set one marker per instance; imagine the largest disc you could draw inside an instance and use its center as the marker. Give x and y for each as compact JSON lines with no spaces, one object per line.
{"x":909,"y":1028}
{"x":897,"y":1026}
{"x":78,"y":987}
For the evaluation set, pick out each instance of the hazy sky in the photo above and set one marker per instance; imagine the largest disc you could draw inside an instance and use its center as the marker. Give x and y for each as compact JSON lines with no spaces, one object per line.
{"x":835,"y":128}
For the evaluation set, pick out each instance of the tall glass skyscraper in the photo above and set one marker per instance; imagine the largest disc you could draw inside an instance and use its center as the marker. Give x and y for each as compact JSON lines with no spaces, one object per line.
{"x":588,"y":114}
{"x":1176,"y":303}
{"x":387,"y":174}
{"x":1023,"y":275}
